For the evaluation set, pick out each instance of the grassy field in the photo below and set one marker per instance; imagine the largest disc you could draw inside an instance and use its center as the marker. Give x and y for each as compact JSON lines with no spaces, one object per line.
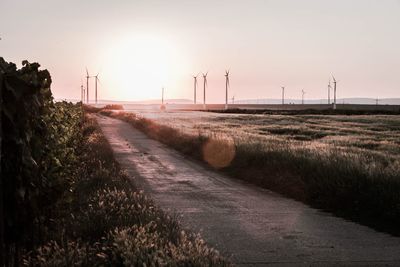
{"x":376,"y":134}
{"x":345,"y":164}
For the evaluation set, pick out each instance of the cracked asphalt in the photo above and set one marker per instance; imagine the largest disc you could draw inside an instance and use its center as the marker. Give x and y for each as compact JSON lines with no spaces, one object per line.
{"x":249,"y":225}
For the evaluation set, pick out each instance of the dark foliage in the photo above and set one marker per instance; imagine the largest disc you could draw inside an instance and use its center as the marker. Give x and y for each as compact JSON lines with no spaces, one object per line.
{"x":33,"y":148}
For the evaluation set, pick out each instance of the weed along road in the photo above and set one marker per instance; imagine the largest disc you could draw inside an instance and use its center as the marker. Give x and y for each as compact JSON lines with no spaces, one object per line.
{"x":253,"y":226}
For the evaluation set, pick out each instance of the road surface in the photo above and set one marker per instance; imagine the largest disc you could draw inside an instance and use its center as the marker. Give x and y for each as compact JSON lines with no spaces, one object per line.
{"x":250,"y":225}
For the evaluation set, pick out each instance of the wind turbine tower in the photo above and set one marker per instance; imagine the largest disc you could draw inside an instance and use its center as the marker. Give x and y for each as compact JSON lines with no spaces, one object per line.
{"x":334,"y":92}
{"x":204,"y":89}
{"x":96,"y":79}
{"x":283,"y":95}
{"x":195,"y":87}
{"x":226,"y":88}
{"x":82,"y":92}
{"x":87,"y":86}
{"x":162,"y":96}
{"x":329,"y":91}
{"x":302,"y":96}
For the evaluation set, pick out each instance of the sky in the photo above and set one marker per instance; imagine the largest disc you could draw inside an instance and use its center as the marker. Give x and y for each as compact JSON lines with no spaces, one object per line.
{"x":138,"y":46}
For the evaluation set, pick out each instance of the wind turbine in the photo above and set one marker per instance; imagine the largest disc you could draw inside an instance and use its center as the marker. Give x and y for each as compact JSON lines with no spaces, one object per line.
{"x":302,"y":96}
{"x":226,"y":88}
{"x":82,"y":92}
{"x":334,"y":92}
{"x":96,"y":79}
{"x":162,"y":96}
{"x":283,"y":95}
{"x":87,"y":86}
{"x":195,"y":87}
{"x":204,"y":88}
{"x":233,"y":99}
{"x":329,"y":91}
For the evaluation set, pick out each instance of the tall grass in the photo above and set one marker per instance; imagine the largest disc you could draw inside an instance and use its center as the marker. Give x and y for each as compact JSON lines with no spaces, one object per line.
{"x":362,"y":186}
{"x":106,"y":222}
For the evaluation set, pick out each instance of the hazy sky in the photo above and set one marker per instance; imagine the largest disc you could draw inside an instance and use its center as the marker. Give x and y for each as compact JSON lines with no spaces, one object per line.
{"x":139,"y":46}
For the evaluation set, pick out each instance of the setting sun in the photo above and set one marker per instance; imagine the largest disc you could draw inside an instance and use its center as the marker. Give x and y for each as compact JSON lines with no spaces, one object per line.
{"x":139,"y":66}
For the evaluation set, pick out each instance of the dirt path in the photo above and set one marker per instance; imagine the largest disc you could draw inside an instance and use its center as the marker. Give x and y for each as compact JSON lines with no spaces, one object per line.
{"x":254,"y":226}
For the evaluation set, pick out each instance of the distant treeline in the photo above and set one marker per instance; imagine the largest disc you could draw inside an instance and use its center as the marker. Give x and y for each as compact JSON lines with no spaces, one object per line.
{"x":309,"y":112}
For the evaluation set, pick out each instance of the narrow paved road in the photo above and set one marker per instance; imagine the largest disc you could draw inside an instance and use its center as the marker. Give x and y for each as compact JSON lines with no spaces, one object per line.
{"x":254,"y":227}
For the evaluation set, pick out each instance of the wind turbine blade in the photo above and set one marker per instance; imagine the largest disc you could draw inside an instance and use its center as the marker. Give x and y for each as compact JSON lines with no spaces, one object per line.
{"x":87,"y":73}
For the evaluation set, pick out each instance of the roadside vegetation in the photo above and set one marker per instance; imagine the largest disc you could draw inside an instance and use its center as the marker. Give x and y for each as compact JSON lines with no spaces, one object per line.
{"x":64,"y":199}
{"x":343,"y":164}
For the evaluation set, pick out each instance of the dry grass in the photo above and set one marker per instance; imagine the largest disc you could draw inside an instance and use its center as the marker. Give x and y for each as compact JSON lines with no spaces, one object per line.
{"x":345,"y":164}
{"x":106,"y":222}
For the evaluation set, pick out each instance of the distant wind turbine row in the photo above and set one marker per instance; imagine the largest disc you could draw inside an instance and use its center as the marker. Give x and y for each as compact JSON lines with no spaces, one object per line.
{"x":227,"y":85}
{"x":205,"y":86}
{"x":329,"y":93}
{"x":86,"y":90}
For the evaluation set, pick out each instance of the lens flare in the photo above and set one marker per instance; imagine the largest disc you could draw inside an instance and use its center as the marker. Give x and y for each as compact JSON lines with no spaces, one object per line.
{"x":219,"y":153}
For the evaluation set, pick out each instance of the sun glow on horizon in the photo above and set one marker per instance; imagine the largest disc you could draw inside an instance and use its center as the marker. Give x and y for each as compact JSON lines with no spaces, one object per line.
{"x":138,"y":66}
